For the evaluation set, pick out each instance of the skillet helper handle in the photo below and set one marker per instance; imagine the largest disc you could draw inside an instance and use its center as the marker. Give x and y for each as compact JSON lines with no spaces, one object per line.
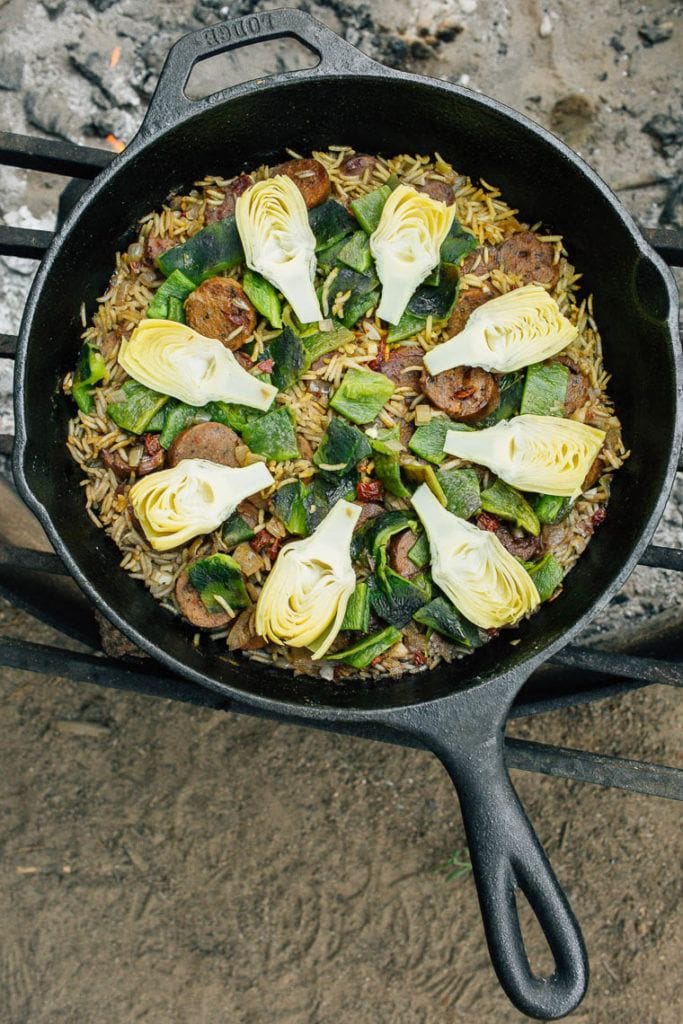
{"x":169,"y":102}
{"x":507,"y":855}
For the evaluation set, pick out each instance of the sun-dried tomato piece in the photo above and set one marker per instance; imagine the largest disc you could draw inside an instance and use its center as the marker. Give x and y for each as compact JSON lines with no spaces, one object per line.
{"x":265,"y":366}
{"x":369,"y":490}
{"x":599,"y":516}
{"x":485,"y":521}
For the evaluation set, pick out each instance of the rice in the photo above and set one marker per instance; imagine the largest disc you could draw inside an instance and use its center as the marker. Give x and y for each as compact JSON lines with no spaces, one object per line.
{"x":480,"y":209}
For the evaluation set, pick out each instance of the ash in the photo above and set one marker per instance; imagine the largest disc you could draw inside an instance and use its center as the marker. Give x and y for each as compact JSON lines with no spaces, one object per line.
{"x":607,"y":78}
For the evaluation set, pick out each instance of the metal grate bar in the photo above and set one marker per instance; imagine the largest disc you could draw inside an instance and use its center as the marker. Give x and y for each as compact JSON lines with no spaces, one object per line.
{"x":34,"y":561}
{"x":663,"y":558}
{"x":668,"y":242}
{"x":8,"y":345}
{"x":24,"y":242}
{"x":598,"y":769}
{"x":623,"y":665}
{"x":52,"y":156}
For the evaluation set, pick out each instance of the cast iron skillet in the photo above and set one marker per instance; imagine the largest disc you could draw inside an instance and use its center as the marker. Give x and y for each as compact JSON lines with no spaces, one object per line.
{"x":456,"y":711}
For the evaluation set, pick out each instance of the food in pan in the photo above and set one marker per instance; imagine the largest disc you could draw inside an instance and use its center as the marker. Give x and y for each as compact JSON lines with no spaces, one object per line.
{"x":347,"y":414}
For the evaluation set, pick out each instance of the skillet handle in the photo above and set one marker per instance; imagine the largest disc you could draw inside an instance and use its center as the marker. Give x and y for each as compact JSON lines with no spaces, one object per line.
{"x":169,"y":102}
{"x":506,"y":854}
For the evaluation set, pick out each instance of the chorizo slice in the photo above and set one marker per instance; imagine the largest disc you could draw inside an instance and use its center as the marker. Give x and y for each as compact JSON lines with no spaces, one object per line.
{"x":402,"y":365}
{"x":192,"y":607}
{"x":531,"y":260}
{"x":527,"y":547}
{"x":467,"y":302}
{"x":211,"y":441}
{"x":368,"y":510}
{"x":439,"y":190}
{"x":465,"y":393}
{"x":219,"y":308}
{"x":356,"y":164}
{"x":310,"y":177}
{"x":480,"y":261}
{"x":397,"y":552}
{"x":230,"y":193}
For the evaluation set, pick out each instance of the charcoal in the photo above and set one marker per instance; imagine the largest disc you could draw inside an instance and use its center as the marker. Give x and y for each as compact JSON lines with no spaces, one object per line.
{"x":666,"y":132}
{"x":656,"y":31}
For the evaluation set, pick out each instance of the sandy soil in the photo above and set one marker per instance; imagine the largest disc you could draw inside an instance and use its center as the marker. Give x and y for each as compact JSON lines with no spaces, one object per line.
{"x":167,"y":865}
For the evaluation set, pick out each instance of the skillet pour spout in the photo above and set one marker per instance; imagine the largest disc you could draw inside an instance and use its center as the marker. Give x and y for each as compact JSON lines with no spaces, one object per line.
{"x":457,"y":711}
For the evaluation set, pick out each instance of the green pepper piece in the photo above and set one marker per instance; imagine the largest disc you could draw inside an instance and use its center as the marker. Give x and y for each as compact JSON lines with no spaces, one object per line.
{"x":434,"y":278}
{"x":238,"y":417}
{"x":176,"y":286}
{"x":408,"y":326}
{"x":323,"y":494}
{"x":443,"y":617}
{"x":547,"y":575}
{"x":327,"y":258}
{"x":420,"y":554}
{"x":457,"y":244}
{"x":176,"y":310}
{"x":90,"y":369}
{"x":551,"y":508}
{"x":461,"y":487}
{"x":341,"y":448}
{"x":507,"y":503}
{"x":357,"y":306}
{"x":289,"y":359}
{"x":545,"y":389}
{"x":236,"y":530}
{"x":368,"y":208}
{"x":365,"y":651}
{"x":511,"y":387}
{"x":138,"y":408}
{"x":436,"y":302}
{"x":417,"y":473}
{"x":362,"y":395}
{"x":357,"y":614}
{"x":374,"y":534}
{"x":211,"y":251}
{"x":273,"y":435}
{"x":289,"y":506}
{"x":218,"y":580}
{"x":156,"y":424}
{"x":263,"y":296}
{"x":320,"y":344}
{"x":178,"y":417}
{"x":396,"y":599}
{"x":356,"y":252}
{"x":429,"y":439}
{"x":386,"y":447}
{"x":329,"y":222}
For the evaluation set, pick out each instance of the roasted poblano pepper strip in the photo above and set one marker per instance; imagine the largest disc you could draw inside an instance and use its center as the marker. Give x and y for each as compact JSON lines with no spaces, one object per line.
{"x":408,"y":326}
{"x":211,"y":251}
{"x":547,"y":575}
{"x":90,"y":369}
{"x":507,"y":503}
{"x":236,"y":416}
{"x":417,"y":473}
{"x":419,"y":554}
{"x":289,"y":359}
{"x":461,"y":487}
{"x":176,"y":286}
{"x":263,"y":296}
{"x":428,"y":440}
{"x":545,"y":389}
{"x":365,"y":651}
{"x":368,"y":208}
{"x":319,"y":344}
{"x":385,"y":453}
{"x":323,"y":494}
{"x":289,"y":505}
{"x":356,"y":252}
{"x":219,"y":582}
{"x":236,"y":530}
{"x":443,"y":617}
{"x":357,"y":305}
{"x":511,"y":387}
{"x":362,"y":394}
{"x":374,"y":534}
{"x":178,"y":417}
{"x":329,"y":222}
{"x":273,"y":435}
{"x":435,"y":301}
{"x":551,"y":508}
{"x":341,"y":448}
{"x":138,"y":407}
{"x":357,"y":615}
{"x":457,"y":244}
{"x":396,"y":599}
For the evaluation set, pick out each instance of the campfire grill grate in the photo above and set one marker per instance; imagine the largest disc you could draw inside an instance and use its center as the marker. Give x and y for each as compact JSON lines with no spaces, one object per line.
{"x":575,"y":675}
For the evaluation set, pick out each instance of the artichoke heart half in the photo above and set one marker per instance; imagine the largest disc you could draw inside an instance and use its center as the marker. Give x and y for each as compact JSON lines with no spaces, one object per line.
{"x":545,"y":454}
{"x":304,"y":598}
{"x":524,"y":326}
{"x":278,"y":242}
{"x":175,"y":360}
{"x":484,"y":581}
{"x":406,"y":246}
{"x":195,"y":497}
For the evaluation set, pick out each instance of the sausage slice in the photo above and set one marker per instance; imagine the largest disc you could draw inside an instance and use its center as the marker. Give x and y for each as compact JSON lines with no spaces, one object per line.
{"x":227,"y":208}
{"x":439,"y":190}
{"x":524,"y":255}
{"x":192,"y":607}
{"x":577,"y":388}
{"x":219,"y":308}
{"x":212,"y":441}
{"x":155,"y":247}
{"x":310,"y":177}
{"x":398,"y":363}
{"x":368,"y":510}
{"x":356,"y":164}
{"x":243,"y":635}
{"x":397,"y":551}
{"x":465,"y":393}
{"x":480,"y":261}
{"x":526,"y":547}
{"x":467,"y":303}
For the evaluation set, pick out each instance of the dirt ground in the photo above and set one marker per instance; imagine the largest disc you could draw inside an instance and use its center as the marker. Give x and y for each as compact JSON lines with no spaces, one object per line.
{"x":163,"y":864}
